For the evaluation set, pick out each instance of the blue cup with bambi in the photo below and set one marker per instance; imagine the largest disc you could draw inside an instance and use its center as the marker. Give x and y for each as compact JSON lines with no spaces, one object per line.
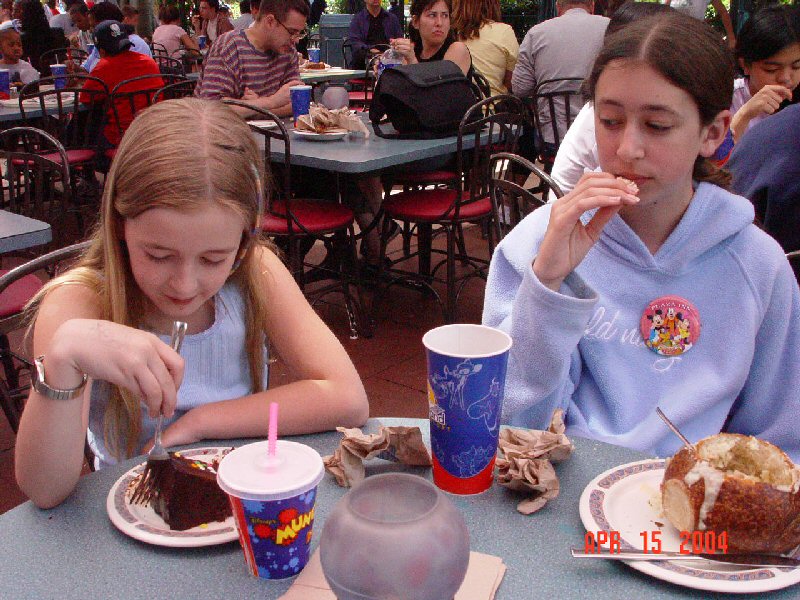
{"x":273,"y":500}
{"x":301,"y":100}
{"x":60,"y":74}
{"x":466,"y":379}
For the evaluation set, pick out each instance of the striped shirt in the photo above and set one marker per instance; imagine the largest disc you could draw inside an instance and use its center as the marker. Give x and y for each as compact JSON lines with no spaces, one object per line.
{"x":234,"y":63}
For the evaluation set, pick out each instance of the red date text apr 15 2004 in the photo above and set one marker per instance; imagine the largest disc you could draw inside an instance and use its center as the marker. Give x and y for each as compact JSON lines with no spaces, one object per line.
{"x":692,"y":542}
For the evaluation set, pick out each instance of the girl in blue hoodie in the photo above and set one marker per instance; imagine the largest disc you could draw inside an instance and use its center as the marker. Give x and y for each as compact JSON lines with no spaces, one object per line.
{"x":648,"y":284}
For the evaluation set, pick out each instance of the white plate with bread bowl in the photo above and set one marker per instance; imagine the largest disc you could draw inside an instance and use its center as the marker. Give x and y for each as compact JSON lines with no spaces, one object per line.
{"x":627,"y":499}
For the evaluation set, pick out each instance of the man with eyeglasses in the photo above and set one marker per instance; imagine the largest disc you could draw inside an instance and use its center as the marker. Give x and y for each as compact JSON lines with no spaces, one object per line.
{"x":259,"y":64}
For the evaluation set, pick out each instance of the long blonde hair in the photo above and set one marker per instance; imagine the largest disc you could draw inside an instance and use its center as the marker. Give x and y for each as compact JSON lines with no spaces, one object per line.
{"x":179,"y":154}
{"x":470,"y":15}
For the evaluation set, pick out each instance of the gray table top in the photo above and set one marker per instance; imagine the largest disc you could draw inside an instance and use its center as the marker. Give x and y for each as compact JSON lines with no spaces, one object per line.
{"x":333,"y":74}
{"x":73,"y":550}
{"x":362,"y":155}
{"x":18,"y":232}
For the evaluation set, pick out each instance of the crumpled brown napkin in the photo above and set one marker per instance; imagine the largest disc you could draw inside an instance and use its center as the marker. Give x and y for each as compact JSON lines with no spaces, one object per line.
{"x":398,"y":444}
{"x":526,"y":466}
{"x":323,"y":120}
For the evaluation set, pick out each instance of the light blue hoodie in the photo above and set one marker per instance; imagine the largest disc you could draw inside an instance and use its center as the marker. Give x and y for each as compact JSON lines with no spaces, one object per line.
{"x":581,"y":349}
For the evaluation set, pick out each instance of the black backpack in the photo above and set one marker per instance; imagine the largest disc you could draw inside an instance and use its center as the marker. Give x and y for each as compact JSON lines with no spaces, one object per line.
{"x":422,"y":101}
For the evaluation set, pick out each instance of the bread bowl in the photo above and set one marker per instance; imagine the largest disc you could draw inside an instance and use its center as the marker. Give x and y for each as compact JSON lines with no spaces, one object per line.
{"x":314,"y":66}
{"x":737,"y":484}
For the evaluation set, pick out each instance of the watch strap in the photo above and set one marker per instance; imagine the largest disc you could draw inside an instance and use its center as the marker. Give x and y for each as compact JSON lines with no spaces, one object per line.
{"x":45,"y":390}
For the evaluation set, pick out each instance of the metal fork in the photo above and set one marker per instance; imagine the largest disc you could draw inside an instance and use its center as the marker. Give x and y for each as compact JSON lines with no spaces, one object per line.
{"x":158,"y":456}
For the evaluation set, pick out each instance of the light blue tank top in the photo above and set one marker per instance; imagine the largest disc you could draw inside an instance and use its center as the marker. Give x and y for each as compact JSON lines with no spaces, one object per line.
{"x":216,"y":369}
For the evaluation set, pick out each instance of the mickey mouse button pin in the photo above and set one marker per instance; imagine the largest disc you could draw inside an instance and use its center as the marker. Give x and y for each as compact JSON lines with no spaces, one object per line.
{"x":670,"y":325}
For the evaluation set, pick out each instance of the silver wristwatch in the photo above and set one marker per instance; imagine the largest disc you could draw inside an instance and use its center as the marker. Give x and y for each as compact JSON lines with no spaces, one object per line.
{"x":49,"y":392}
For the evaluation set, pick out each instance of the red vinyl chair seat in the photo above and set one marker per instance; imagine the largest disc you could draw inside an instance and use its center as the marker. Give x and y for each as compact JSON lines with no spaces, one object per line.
{"x":16,"y":296}
{"x":360,"y":96}
{"x":429,"y":205}
{"x":316,"y":216}
{"x":420,"y":177}
{"x":74,"y":157}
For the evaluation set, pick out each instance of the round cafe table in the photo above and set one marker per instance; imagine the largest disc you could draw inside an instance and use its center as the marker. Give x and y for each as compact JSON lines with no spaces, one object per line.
{"x":74,"y":551}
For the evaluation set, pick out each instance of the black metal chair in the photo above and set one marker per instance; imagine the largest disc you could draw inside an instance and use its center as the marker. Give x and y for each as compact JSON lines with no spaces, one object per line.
{"x":37,"y":181}
{"x":62,"y":56}
{"x":158,"y":49}
{"x":135,"y":94}
{"x":554,"y":105}
{"x":75,"y":115}
{"x":512,"y":202}
{"x":17,"y":287}
{"x":173,"y":91}
{"x":468,"y":201}
{"x":291,"y":220}
{"x":169,"y":65}
{"x":481,"y":83}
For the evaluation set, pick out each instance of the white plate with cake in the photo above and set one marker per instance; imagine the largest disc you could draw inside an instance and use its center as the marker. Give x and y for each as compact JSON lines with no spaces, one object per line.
{"x":190,"y":500}
{"x":627,"y":499}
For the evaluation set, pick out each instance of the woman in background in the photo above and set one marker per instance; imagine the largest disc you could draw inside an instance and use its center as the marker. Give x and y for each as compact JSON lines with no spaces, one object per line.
{"x":37,"y":36}
{"x":430,"y":37}
{"x":170,"y":34}
{"x":492,"y":44}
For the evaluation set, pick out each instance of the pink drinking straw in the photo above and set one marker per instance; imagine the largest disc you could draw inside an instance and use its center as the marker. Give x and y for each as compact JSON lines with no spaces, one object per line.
{"x":272,"y":438}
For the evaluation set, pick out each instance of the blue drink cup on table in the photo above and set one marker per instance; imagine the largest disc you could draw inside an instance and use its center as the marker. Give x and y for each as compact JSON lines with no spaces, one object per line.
{"x":313,"y":54}
{"x":5,"y":84}
{"x":301,"y":100}
{"x":201,"y":41}
{"x":466,"y":379}
{"x":273,"y":500}
{"x":60,"y":74}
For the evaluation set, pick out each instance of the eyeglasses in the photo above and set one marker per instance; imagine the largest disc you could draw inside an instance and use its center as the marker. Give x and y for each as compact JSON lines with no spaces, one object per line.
{"x":294,"y":34}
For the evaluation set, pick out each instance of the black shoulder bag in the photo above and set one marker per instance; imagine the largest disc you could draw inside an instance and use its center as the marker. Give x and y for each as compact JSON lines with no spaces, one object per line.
{"x":422,"y":101}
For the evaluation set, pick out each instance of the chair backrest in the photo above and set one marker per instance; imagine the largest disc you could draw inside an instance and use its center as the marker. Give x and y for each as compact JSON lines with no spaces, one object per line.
{"x":491,"y":131}
{"x":512,"y":201}
{"x":278,"y":198}
{"x":554,"y":105}
{"x":61,"y":56}
{"x":481,"y":83}
{"x":169,"y":65}
{"x":173,"y":91}
{"x":190,"y":58}
{"x":158,"y":50}
{"x":75,"y":116}
{"x":137,"y":93}
{"x":36,"y":177}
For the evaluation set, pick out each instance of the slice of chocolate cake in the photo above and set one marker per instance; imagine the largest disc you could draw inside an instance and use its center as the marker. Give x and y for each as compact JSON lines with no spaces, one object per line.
{"x":189,"y":494}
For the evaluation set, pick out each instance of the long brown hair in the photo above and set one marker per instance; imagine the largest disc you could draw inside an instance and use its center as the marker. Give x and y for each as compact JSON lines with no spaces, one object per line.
{"x":470,"y":15}
{"x":180,"y":154}
{"x":688,"y":53}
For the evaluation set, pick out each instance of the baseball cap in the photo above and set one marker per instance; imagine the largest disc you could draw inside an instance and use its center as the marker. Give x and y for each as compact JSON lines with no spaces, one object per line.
{"x":112,"y":37}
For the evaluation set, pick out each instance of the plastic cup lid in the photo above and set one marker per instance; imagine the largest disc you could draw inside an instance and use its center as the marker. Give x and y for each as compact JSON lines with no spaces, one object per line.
{"x":249,"y":473}
{"x":300,"y":87}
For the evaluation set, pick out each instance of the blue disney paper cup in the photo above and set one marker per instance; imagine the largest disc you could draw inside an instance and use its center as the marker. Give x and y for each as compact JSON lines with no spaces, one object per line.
{"x":273,"y":501}
{"x":301,"y":100}
{"x":313,"y":54}
{"x":201,"y":42}
{"x":466,"y":378}
{"x":60,"y":74}
{"x":5,"y":84}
